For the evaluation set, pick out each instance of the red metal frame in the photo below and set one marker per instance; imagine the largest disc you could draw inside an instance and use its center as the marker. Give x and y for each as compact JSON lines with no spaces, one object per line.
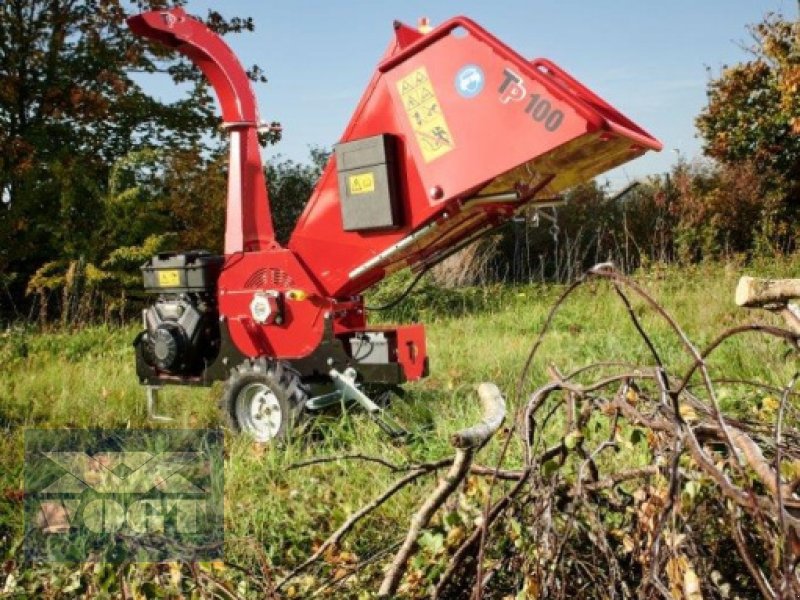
{"x":491,"y":155}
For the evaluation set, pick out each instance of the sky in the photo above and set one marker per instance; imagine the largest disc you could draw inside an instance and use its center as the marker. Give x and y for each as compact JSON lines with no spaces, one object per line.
{"x":650,"y":59}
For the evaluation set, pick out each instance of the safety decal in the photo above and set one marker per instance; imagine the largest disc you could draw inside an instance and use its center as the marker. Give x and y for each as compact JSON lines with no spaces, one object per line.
{"x":425,"y":114}
{"x":361,"y":184}
{"x":469,"y":81}
{"x":169,"y":278}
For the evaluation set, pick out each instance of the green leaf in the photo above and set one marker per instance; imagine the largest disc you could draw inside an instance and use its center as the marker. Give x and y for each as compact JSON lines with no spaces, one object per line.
{"x":637,"y":435}
{"x":572,"y":439}
{"x":550,"y":467}
{"x":432,"y":542}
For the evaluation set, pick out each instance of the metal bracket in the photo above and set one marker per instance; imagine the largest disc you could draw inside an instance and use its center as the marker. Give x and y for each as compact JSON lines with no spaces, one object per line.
{"x":152,"y":400}
{"x":539,"y":213}
{"x":324,"y":401}
{"x":346,"y":385}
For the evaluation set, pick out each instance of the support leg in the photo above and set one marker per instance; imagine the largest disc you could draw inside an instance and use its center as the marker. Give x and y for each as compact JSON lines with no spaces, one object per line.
{"x":346,"y":384}
{"x":152,"y":400}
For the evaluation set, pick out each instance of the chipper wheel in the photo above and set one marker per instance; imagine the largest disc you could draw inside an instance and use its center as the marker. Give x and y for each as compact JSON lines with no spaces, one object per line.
{"x":264,"y":399}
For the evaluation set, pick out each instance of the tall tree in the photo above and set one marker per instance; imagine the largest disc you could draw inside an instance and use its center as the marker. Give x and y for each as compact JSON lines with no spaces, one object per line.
{"x":70,"y":107}
{"x":753,"y":112}
{"x":290,"y":185}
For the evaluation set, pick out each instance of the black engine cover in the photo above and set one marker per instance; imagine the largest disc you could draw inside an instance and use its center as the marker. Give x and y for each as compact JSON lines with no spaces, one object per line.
{"x":182,"y":330}
{"x":168,"y":342}
{"x":181,"y":335}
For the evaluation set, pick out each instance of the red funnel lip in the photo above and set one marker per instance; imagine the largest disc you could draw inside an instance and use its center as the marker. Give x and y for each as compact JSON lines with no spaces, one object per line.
{"x":156,"y":25}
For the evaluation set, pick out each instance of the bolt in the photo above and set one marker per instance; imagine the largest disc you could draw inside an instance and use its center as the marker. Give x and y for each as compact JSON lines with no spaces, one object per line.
{"x":436,"y":192}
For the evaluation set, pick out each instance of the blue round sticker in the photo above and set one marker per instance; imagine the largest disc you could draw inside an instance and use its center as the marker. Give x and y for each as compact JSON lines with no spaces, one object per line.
{"x":469,"y":81}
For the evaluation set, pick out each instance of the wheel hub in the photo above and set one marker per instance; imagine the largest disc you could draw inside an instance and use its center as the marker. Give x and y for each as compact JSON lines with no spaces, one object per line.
{"x":259,"y":412}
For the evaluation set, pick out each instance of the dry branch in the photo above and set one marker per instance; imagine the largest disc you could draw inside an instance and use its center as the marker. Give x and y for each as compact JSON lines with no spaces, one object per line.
{"x":466,"y":442}
{"x":351,"y":522}
{"x":715,"y":503}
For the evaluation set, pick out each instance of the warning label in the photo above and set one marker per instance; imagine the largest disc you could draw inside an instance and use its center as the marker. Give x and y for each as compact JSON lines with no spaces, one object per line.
{"x":425,"y":114}
{"x":361,"y":184}
{"x":169,"y":278}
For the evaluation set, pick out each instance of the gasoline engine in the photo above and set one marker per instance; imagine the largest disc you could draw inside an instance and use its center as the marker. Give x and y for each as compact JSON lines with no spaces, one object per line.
{"x":181,"y":328}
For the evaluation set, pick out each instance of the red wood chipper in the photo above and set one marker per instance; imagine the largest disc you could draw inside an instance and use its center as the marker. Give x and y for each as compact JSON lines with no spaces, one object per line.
{"x":453,"y":136}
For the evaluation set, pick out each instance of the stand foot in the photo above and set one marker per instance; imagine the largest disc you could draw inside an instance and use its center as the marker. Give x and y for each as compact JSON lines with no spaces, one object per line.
{"x":152,"y":400}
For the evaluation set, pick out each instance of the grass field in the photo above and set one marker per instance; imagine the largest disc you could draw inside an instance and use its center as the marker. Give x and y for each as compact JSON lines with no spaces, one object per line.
{"x":274,"y":516}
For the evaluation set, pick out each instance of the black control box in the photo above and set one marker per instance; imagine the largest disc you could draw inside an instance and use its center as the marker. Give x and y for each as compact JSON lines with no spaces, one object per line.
{"x":369,"y":183}
{"x":172,"y":272}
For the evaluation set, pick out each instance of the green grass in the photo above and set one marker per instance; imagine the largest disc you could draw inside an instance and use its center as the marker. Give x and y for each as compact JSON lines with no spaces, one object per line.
{"x":87,"y":379}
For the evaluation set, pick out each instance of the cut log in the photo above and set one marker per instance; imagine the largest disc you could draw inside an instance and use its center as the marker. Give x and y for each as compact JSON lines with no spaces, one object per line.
{"x":753,"y":292}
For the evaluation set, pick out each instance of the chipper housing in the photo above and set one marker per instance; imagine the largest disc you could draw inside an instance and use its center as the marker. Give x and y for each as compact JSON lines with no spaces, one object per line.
{"x":454,"y":134}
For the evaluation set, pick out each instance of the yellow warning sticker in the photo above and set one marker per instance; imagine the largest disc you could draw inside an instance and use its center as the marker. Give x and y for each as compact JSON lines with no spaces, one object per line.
{"x":425,"y":114}
{"x":169,"y":278}
{"x":363,"y":183}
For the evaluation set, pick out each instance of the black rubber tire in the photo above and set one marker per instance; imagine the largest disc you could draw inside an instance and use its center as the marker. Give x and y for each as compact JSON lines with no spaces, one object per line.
{"x":280,"y":382}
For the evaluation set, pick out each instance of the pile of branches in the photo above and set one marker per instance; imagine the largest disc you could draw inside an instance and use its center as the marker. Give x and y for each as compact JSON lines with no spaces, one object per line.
{"x":632,"y":483}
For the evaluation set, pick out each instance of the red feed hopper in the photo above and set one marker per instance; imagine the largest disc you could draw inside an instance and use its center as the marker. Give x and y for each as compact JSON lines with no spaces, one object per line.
{"x":482,"y":131}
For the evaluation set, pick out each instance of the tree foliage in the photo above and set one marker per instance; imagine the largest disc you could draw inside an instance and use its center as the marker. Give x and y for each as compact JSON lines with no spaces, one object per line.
{"x":95,"y":172}
{"x":290,"y":185}
{"x":753,"y":111}
{"x":71,"y":108}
